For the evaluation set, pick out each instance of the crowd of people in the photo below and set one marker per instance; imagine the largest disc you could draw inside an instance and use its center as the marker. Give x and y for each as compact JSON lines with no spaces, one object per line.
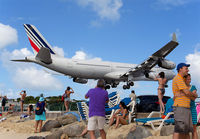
{"x":184,"y":108}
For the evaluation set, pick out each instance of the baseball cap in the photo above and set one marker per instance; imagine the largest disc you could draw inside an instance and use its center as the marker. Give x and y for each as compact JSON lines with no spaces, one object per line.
{"x":180,"y":65}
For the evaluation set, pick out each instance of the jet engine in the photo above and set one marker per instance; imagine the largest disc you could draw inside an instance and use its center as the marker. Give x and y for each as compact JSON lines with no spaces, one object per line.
{"x":166,"y":64}
{"x":80,"y":80}
{"x":151,"y":75}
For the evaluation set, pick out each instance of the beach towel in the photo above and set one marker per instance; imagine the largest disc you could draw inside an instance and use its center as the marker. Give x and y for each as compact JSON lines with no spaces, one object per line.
{"x":168,"y":107}
{"x":198,"y":112}
{"x":23,"y":116}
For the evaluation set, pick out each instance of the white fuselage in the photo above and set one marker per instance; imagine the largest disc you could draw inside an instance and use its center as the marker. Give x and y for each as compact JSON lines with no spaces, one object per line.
{"x":92,"y":69}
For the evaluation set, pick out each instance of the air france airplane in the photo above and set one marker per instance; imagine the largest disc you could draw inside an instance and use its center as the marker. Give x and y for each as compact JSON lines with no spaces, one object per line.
{"x":112,"y":72}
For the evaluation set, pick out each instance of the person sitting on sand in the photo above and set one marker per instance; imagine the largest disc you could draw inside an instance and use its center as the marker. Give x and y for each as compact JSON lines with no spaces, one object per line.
{"x":10,"y":109}
{"x":40,"y":115}
{"x":121,"y":115}
{"x":29,"y":110}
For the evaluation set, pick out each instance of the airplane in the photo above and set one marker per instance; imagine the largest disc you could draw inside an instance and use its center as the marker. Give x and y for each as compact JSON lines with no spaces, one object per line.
{"x":112,"y":72}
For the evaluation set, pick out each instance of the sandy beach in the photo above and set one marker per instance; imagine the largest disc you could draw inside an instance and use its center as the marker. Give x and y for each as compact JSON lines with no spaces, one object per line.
{"x":10,"y":129}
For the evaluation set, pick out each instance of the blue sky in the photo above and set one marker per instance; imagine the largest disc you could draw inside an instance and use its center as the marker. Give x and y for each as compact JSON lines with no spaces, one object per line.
{"x":125,"y":31}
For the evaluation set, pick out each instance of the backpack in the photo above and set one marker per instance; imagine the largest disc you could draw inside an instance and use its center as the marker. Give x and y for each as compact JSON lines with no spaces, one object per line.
{"x":39,"y":109}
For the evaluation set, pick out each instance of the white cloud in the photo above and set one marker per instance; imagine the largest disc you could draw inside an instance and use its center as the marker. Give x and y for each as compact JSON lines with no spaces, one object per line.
{"x":26,"y":75}
{"x":6,"y":56}
{"x":11,"y":94}
{"x":194,"y":61}
{"x":105,"y":9}
{"x":36,"y":79}
{"x":8,"y":35}
{"x":80,"y":55}
{"x":8,"y":92}
{"x":59,"y":51}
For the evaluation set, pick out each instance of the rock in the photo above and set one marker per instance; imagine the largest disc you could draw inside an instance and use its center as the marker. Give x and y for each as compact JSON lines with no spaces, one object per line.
{"x":121,"y":132}
{"x":55,"y":135}
{"x":36,"y":137}
{"x":167,"y":130}
{"x":66,"y":119}
{"x":50,"y":124}
{"x":54,"y":130}
{"x":77,"y":138}
{"x":96,"y":132}
{"x":73,"y":129}
{"x":139,"y":133}
{"x":64,"y":136}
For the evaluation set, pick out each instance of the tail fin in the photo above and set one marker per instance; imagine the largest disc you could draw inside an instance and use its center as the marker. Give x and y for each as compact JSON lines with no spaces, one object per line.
{"x":36,"y":39}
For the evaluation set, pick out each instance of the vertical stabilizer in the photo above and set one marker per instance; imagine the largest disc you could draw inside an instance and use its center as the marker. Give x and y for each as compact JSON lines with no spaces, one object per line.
{"x":36,"y":39}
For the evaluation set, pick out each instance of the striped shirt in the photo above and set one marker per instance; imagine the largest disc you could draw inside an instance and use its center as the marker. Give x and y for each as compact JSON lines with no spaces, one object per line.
{"x":178,"y":84}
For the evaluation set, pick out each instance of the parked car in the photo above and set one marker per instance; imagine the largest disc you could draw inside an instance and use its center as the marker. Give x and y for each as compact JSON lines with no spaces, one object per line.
{"x":149,"y":103}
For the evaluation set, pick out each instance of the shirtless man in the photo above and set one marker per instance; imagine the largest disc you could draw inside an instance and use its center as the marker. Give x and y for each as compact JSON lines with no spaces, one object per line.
{"x":161,"y":89}
{"x":23,"y":95}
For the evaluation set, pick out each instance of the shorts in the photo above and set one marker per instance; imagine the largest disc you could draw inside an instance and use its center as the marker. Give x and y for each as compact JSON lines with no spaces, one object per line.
{"x":22,"y":101}
{"x":40,"y":117}
{"x":96,"y":122}
{"x":67,"y":99}
{"x":3,"y":104}
{"x":183,"y":120}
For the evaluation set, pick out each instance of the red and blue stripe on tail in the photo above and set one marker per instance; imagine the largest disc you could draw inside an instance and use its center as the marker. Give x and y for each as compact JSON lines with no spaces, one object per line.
{"x":36,"y":39}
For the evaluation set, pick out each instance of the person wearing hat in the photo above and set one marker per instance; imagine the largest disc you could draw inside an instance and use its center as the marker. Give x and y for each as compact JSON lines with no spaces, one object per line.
{"x":182,"y":97}
{"x":40,"y":115}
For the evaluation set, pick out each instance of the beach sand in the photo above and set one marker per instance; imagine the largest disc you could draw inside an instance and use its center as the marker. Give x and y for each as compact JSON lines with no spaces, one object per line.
{"x":9,"y":129}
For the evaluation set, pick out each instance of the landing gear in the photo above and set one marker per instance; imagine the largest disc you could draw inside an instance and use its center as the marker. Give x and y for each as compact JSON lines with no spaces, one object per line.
{"x":131,"y":83}
{"x":107,"y":87}
{"x":114,"y":85}
{"x":124,"y":87}
{"x":128,"y":85}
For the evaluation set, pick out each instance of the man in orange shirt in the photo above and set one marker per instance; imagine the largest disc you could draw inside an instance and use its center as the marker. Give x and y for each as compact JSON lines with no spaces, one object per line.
{"x":182,"y":97}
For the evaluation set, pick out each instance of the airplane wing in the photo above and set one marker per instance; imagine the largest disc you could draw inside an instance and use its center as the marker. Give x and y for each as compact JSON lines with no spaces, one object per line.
{"x":154,"y":59}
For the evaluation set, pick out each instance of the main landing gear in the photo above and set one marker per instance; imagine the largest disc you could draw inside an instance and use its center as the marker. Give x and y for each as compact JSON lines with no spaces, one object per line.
{"x":128,"y":85}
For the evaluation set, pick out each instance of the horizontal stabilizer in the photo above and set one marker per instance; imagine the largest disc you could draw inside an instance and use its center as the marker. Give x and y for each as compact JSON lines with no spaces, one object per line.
{"x":44,"y":55}
{"x":22,"y":60}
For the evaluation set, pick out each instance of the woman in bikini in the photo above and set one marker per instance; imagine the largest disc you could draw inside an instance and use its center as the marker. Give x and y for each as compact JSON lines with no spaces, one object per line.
{"x":161,"y":89}
{"x":121,"y":115}
{"x":66,"y":96}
